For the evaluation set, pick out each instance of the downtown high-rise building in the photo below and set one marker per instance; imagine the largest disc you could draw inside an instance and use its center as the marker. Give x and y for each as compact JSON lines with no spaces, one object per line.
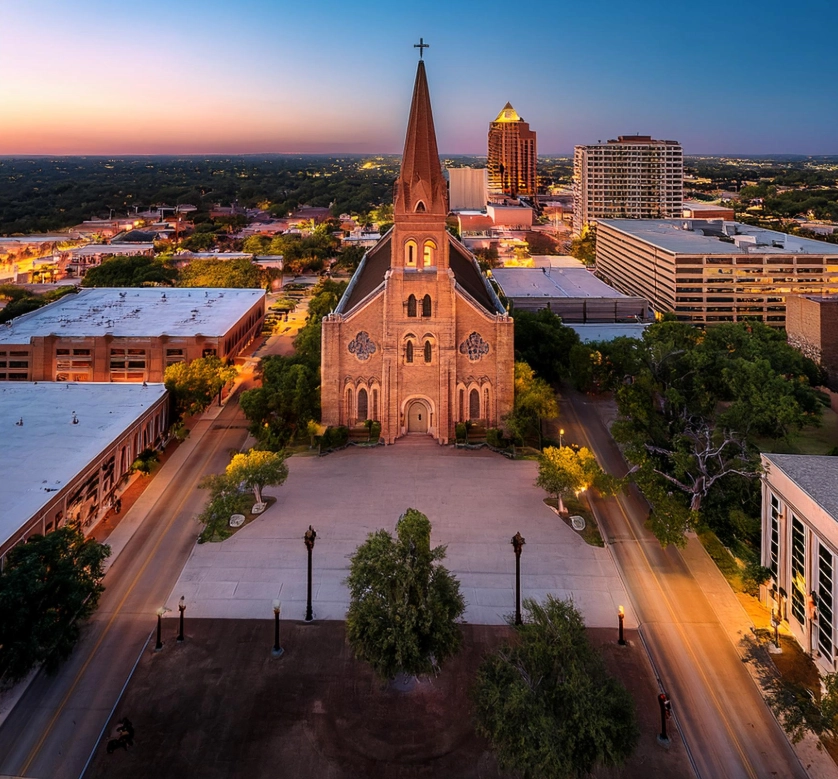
{"x":633,"y":177}
{"x":512,"y":155}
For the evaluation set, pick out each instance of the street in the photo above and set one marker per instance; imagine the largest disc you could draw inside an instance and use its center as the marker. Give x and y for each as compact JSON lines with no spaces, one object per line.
{"x":729,"y":730}
{"x":53,"y":728}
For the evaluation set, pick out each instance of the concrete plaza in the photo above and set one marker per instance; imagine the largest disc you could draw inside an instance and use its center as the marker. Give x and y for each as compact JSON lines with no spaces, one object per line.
{"x":475,"y":500}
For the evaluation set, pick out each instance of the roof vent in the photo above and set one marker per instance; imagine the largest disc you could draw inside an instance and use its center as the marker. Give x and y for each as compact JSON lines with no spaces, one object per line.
{"x":19,"y":423}
{"x":75,"y":418}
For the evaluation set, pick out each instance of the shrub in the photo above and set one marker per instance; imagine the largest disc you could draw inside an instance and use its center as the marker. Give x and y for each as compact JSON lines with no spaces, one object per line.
{"x":494,"y":437}
{"x":334,"y":437}
{"x":461,"y":432}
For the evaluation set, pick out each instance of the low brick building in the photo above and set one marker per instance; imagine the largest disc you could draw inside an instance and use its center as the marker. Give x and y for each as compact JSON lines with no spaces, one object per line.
{"x":812,"y":327}
{"x":126,"y":335}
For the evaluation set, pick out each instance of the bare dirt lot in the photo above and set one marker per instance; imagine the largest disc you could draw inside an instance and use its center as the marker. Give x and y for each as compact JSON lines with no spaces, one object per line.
{"x":219,"y":705}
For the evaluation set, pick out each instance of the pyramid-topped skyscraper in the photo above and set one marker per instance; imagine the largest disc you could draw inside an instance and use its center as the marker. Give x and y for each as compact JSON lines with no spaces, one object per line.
{"x":419,"y":341}
{"x":512,"y":155}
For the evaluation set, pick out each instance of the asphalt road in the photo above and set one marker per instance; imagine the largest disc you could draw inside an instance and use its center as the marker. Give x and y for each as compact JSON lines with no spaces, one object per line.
{"x":57,"y":722}
{"x":728,"y":728}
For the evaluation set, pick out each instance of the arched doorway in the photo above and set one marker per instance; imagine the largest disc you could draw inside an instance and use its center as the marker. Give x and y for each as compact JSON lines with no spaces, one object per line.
{"x":417,"y":417}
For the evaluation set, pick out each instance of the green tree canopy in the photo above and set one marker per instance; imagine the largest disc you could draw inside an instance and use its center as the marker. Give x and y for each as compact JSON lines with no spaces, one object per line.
{"x":258,"y":469}
{"x":48,"y":587}
{"x":535,"y":401}
{"x":237,"y":274}
{"x":136,"y":271}
{"x":544,"y":343}
{"x":562,"y":470}
{"x":404,"y":605}
{"x":546,"y":702}
{"x":193,"y":385}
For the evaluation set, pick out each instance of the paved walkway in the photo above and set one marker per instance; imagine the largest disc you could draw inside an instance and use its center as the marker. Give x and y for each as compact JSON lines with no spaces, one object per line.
{"x":476,"y":501}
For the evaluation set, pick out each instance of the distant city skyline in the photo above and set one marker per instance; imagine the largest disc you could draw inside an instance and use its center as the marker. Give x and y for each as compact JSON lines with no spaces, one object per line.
{"x":218,"y":77}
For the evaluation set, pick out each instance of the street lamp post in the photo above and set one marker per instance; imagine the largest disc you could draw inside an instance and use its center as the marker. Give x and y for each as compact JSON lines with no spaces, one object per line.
{"x":622,"y":615}
{"x":561,"y":437}
{"x":666,"y":709}
{"x":181,"y":607}
{"x":309,"y":538}
{"x":518,"y":544}
{"x":160,"y":612}
{"x":277,"y":650}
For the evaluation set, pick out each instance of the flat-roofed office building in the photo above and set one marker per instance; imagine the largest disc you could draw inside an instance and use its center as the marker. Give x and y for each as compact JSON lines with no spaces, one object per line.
{"x":66,"y":449}
{"x":713,"y":271}
{"x":119,"y":335}
{"x":632,"y":177}
{"x":800,"y":548}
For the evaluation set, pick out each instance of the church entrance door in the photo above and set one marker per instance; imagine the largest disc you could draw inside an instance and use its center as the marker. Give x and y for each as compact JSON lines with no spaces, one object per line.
{"x":417,"y":417}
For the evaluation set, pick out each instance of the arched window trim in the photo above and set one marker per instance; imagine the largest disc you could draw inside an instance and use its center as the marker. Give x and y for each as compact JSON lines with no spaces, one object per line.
{"x":474,"y":407}
{"x":411,"y":306}
{"x":408,"y":352}
{"x":428,"y":254}
{"x":426,"y":306}
{"x":420,"y":207}
{"x":429,"y":350}
{"x":363,"y":405}
{"x":411,"y":251}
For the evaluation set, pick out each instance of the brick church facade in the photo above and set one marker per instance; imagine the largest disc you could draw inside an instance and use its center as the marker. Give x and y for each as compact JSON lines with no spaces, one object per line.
{"x":419,"y":341}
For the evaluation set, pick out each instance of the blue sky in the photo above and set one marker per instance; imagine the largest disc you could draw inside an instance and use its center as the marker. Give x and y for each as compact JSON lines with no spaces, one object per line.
{"x":99,"y":76}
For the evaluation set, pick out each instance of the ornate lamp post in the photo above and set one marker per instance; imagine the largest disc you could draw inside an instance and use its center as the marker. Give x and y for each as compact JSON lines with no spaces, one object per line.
{"x":160,"y":612}
{"x":622,"y":615}
{"x":277,"y":650}
{"x":309,"y":538}
{"x":561,"y":437}
{"x":181,"y":607}
{"x":518,"y":544}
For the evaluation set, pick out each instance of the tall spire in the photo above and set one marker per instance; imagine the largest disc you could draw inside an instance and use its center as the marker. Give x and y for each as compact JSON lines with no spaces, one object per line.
{"x":420,"y":187}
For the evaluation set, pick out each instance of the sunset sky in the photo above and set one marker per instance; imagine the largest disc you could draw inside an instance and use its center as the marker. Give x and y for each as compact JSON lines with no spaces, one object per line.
{"x":241,"y":76}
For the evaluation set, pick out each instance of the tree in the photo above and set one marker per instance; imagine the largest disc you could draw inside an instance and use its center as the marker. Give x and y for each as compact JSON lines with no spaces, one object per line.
{"x":544,"y":343}
{"x":404,"y":605}
{"x":562,"y":470}
{"x":48,"y":587}
{"x":225,"y":500}
{"x":236,"y":274}
{"x":258,"y":469}
{"x":349,"y":257}
{"x":584,"y":246}
{"x":193,"y":385}
{"x":139,"y":271}
{"x":547,"y":704}
{"x":535,"y":401}
{"x":145,"y":462}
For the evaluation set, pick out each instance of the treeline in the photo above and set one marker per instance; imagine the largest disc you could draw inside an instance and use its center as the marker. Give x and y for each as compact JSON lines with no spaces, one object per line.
{"x":44,"y":194}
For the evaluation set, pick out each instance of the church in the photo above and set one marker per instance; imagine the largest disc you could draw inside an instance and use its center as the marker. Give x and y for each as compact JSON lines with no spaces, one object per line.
{"x":419,"y":341}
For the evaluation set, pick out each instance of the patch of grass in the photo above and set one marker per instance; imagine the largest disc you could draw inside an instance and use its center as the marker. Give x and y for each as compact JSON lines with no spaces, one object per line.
{"x":590,"y":535}
{"x":724,"y":560}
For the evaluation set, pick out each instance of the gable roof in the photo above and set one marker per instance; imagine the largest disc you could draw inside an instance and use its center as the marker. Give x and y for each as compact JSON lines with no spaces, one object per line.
{"x":468,"y":276}
{"x":369,"y":275}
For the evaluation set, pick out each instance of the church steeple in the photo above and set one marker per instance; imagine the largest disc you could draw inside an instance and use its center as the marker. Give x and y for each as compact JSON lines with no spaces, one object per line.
{"x":420,"y":188}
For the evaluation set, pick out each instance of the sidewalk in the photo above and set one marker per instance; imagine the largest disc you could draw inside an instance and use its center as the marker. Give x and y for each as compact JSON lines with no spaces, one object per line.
{"x":739,"y":627}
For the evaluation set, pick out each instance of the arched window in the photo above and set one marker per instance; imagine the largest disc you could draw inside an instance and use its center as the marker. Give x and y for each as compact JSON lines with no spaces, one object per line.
{"x":474,"y":404}
{"x":411,"y":305}
{"x":430,"y":254}
{"x":426,"y":305}
{"x":375,"y":404}
{"x":408,"y":352}
{"x":362,"y":405}
{"x":350,"y":408}
{"x":486,"y":413}
{"x":428,"y":351}
{"x":410,"y":251}
{"x":420,"y":207}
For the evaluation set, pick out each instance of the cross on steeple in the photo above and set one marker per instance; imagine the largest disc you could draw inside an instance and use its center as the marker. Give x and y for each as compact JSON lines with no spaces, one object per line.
{"x":421,"y":45}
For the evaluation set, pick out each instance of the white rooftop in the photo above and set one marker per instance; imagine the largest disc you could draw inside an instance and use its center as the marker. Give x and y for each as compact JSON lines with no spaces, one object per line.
{"x":44,"y":454}
{"x":552,"y":283}
{"x":93,"y":249}
{"x":702,"y":236}
{"x":139,"y":312}
{"x":591,"y":332}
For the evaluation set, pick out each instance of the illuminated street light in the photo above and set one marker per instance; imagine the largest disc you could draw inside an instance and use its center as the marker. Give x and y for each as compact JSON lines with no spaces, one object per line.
{"x":622,"y":615}
{"x":561,"y":437}
{"x":277,"y":650}
{"x":160,"y":612}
